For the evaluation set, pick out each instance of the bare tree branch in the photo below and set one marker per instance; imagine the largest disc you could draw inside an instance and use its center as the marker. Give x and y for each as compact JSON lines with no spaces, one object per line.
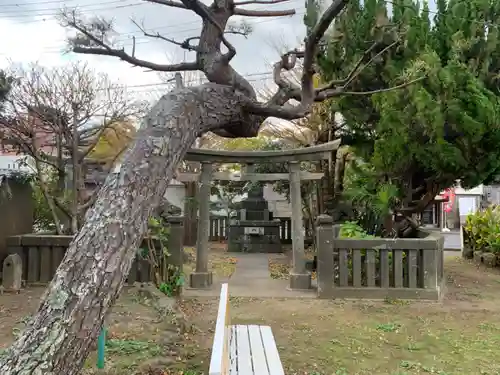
{"x":263,"y":13}
{"x":356,"y":69}
{"x":311,"y":46}
{"x":240,"y":3}
{"x":372,"y":92}
{"x":215,"y":64}
{"x":57,"y":117}
{"x":170,"y":3}
{"x":97,"y":46}
{"x":206,"y":14}
{"x":243,"y":28}
{"x":185,"y":44}
{"x":295,"y":112}
{"x":122,"y":55}
{"x":305,"y":93}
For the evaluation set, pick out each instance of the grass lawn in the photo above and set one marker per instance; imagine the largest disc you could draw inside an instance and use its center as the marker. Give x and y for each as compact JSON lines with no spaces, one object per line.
{"x":459,"y":336}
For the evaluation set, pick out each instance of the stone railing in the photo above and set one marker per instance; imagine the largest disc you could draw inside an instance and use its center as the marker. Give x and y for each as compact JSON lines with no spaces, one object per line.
{"x":41,"y":255}
{"x":378,"y":268}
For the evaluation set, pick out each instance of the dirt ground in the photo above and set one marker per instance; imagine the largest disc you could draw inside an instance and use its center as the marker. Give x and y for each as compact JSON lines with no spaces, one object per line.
{"x":221,"y":264}
{"x":139,"y":340}
{"x":459,"y":336}
{"x":281,"y":264}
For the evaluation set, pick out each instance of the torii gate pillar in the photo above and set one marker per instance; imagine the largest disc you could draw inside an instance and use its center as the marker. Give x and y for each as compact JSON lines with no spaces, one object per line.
{"x":299,"y":277}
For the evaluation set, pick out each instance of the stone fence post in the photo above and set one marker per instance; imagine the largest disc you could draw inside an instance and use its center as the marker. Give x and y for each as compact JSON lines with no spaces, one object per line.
{"x":12,"y":273}
{"x":325,"y":233}
{"x":176,"y":241}
{"x":432,"y":261}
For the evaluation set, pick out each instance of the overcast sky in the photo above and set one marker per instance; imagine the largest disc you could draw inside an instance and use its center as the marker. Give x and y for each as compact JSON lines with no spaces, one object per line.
{"x":31,"y":33}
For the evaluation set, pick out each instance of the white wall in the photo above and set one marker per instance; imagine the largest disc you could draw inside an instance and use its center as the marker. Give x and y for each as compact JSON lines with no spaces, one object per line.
{"x":176,"y":194}
{"x":467,"y":205}
{"x":278,"y":204}
{"x":13,"y":162}
{"x":478,"y":190}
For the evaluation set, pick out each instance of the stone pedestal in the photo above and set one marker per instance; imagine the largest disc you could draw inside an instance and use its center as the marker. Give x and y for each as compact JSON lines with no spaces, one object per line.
{"x":300,"y":281}
{"x":200,"y":280}
{"x":254,"y":236}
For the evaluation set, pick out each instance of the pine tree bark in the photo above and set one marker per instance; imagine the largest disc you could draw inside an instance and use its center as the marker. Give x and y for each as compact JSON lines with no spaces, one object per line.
{"x":89,"y":280}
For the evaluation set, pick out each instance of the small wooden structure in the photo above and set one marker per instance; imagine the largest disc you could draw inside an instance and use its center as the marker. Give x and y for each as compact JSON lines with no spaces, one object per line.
{"x":241,"y":349}
{"x":378,"y":268}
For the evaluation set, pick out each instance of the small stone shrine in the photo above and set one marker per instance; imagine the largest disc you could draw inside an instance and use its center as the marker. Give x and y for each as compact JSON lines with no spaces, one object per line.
{"x":254,"y":231}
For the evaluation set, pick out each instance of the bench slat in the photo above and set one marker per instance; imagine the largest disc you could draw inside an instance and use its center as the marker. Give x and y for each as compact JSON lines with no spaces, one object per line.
{"x":241,"y":349}
{"x":233,"y":369}
{"x":243,"y":353}
{"x":272,"y":355}
{"x":258,"y":355}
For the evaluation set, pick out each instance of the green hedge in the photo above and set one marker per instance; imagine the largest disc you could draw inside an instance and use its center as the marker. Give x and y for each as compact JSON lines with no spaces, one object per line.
{"x":482,"y":231}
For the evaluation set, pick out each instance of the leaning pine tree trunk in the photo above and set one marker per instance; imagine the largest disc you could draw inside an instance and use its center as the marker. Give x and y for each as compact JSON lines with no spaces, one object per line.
{"x":89,"y":280}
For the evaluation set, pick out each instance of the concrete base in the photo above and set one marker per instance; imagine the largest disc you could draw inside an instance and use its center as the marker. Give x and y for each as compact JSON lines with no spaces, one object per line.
{"x":300,"y":281}
{"x":200,"y":280}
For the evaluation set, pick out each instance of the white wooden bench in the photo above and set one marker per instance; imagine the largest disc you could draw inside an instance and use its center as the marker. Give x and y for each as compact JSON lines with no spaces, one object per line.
{"x":240,"y":349}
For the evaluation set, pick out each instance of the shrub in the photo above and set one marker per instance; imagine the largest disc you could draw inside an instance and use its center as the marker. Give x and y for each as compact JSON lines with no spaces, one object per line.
{"x":482,"y":230}
{"x":351,"y":229}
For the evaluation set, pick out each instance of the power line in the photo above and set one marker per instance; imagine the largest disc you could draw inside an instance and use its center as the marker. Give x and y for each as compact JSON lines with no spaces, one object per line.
{"x":147,"y":85}
{"x":33,"y":14}
{"x":55,"y":11}
{"x":34,"y":3}
{"x":251,"y":77}
{"x":145,"y":39}
{"x":56,"y":49}
{"x":44,"y":2}
{"x":157,"y":89}
{"x":30,"y":13}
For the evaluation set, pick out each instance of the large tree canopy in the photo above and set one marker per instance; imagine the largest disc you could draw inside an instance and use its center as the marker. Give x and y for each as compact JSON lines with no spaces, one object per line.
{"x":96,"y":264}
{"x":427,"y":135}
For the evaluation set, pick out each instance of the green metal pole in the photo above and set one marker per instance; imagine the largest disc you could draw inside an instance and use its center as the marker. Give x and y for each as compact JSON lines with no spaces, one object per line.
{"x":101,"y":343}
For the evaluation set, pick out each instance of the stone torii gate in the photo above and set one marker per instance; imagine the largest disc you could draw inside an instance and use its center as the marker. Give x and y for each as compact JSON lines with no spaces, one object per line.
{"x":299,"y":277}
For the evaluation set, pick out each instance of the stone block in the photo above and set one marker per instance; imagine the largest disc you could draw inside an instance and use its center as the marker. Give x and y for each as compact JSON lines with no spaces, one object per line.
{"x":12,"y":273}
{"x":467,"y":253}
{"x":268,"y":242}
{"x":200,"y":280}
{"x":300,"y":281}
{"x":478,"y":257}
{"x":489,"y":259}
